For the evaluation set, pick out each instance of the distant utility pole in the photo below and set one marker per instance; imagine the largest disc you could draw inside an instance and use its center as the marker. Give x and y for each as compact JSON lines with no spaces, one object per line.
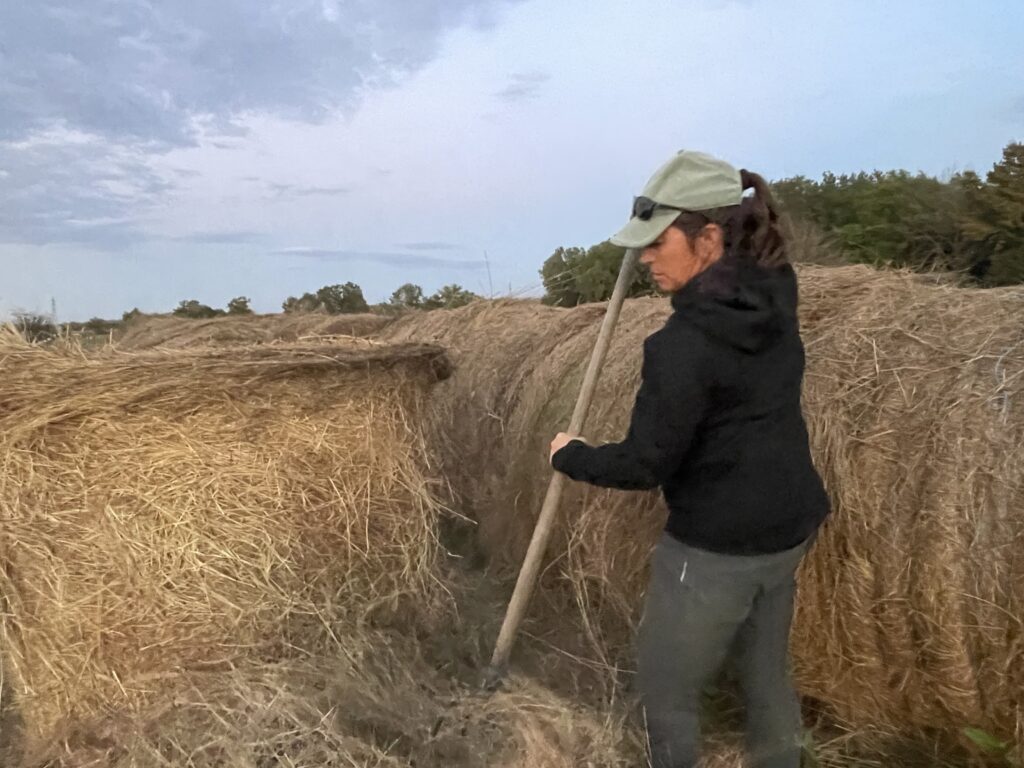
{"x":490,"y":285}
{"x":53,"y":311}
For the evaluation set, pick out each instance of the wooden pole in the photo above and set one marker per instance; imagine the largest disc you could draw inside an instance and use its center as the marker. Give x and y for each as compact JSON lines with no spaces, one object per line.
{"x":545,"y":522}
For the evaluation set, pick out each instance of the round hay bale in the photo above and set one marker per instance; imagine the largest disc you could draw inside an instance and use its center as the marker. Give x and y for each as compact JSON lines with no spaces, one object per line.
{"x":913,"y":606}
{"x":911,"y":609}
{"x":164,"y":511}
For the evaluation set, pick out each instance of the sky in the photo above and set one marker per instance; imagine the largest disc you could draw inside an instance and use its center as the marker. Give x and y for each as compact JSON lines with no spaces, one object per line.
{"x":152,"y":152}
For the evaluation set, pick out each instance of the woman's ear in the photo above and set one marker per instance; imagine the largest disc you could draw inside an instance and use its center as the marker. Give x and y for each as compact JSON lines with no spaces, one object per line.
{"x":710,"y":243}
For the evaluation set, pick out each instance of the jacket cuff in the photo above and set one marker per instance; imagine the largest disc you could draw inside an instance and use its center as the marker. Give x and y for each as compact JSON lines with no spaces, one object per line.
{"x":568,"y":458}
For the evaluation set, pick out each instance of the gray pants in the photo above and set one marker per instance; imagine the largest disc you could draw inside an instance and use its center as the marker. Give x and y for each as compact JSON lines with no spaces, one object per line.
{"x":701,"y":608}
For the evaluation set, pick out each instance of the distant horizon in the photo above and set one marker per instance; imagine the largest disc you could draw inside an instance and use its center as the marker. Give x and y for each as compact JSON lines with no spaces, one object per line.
{"x":147,"y":156}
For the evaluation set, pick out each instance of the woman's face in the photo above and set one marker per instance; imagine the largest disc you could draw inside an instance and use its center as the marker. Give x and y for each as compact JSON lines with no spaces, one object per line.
{"x":674,"y":262}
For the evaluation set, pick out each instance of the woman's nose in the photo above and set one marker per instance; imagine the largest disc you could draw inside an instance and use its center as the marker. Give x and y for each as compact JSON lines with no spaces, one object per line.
{"x":646,"y":256}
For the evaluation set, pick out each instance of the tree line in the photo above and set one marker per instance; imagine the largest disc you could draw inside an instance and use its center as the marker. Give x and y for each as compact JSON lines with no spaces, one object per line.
{"x":336,"y":299}
{"x":348,"y":298}
{"x":341,"y":298}
{"x":967,"y":224}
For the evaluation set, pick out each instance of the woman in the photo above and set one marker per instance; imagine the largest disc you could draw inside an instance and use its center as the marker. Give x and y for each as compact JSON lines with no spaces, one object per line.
{"x":717,"y":425}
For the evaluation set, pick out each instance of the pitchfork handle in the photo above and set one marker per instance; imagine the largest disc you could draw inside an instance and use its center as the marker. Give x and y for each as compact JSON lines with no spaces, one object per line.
{"x":545,"y":522}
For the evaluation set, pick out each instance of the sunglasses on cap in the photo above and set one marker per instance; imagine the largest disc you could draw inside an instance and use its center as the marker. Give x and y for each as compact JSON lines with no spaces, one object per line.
{"x":644,"y":208}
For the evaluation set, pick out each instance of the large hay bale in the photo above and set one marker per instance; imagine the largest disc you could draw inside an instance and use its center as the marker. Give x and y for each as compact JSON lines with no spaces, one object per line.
{"x":166,"y":510}
{"x":911,"y":610}
{"x":913,"y":606}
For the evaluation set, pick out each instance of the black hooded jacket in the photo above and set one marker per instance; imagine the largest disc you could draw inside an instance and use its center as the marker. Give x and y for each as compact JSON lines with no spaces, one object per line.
{"x":717,"y":420}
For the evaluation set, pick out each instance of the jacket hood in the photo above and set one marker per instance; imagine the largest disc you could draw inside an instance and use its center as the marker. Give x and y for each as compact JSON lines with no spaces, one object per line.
{"x":739,"y":304}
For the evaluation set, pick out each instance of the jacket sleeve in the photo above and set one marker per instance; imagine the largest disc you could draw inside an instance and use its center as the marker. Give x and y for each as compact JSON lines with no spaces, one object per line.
{"x":669,"y":406}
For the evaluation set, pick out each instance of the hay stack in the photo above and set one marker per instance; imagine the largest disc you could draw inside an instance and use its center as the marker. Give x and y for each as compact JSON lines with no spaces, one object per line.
{"x":178,"y":333}
{"x":914,"y":603}
{"x":911,"y":610}
{"x":188,"y":510}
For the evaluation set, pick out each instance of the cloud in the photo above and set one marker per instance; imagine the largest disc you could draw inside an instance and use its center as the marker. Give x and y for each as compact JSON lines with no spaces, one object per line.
{"x":385,"y":258}
{"x":219,"y":238}
{"x":63,"y":185}
{"x":93,"y":91}
{"x":523,"y":86}
{"x":147,"y":70}
{"x":430,"y":246}
{"x":296,"y":190}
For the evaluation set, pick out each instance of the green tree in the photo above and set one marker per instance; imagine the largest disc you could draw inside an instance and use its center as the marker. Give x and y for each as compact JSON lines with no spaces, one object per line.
{"x":194,"y":310}
{"x":131,"y":314}
{"x":344,"y":298}
{"x":408,"y":296}
{"x":99,"y":326}
{"x":559,"y":277}
{"x":307,"y":302}
{"x":890,"y":218}
{"x":598,"y":272}
{"x":575,"y":276}
{"x":996,"y":224}
{"x":239,"y":306}
{"x":450,"y":297}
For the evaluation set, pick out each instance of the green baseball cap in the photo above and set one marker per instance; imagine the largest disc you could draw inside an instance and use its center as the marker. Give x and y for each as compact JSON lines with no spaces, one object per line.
{"x":690,"y":181}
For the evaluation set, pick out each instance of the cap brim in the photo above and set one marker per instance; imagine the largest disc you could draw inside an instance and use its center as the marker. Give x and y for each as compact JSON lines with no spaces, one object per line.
{"x":639,"y":233}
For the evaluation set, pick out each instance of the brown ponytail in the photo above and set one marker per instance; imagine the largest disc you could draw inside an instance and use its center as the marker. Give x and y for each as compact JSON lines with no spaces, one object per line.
{"x":751,"y":230}
{"x":759,"y":221}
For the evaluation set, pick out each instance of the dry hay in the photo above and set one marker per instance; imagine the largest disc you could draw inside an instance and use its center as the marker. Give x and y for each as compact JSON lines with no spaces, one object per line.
{"x":914,"y":602}
{"x":369,"y":700}
{"x":165,"y":511}
{"x":169,"y":332}
{"x":372,"y":698}
{"x":910,"y":610}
